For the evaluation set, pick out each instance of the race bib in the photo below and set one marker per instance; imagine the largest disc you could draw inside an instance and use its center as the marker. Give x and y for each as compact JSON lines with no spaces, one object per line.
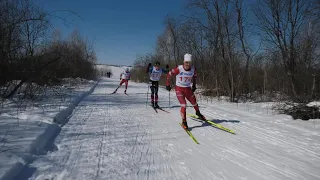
{"x":125,"y":75}
{"x":184,"y":78}
{"x":156,"y":74}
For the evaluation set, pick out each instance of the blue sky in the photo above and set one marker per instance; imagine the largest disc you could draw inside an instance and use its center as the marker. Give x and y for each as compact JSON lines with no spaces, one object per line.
{"x":120,"y":29}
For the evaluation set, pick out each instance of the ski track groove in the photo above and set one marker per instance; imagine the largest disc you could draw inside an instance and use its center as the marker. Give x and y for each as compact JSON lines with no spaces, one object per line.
{"x":80,"y":145}
{"x":101,"y":145}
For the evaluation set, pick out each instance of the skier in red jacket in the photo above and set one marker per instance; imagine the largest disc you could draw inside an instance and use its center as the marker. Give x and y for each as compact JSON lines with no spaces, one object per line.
{"x":124,"y":78}
{"x":185,"y":86}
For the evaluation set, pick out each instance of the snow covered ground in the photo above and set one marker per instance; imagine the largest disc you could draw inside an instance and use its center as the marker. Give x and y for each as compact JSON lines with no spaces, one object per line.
{"x":120,"y":137}
{"x":26,"y":128}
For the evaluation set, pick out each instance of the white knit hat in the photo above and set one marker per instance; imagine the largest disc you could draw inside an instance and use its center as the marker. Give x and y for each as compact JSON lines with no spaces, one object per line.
{"x":187,"y":58}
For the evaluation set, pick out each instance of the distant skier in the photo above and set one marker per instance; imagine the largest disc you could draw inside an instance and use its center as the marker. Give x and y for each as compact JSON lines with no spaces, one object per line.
{"x":155,"y":73}
{"x":124,"y":78}
{"x":185,"y":86}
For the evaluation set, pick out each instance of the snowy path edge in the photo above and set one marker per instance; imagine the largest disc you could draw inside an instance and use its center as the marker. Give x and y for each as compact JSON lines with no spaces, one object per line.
{"x":63,"y":116}
{"x":44,"y":142}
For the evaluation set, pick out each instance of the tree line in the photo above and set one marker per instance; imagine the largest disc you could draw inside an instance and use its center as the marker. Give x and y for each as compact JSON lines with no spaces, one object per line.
{"x":33,"y":53}
{"x":270,"y":47}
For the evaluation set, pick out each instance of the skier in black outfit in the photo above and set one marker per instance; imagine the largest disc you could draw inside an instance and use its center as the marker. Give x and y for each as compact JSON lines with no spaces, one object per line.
{"x":155,"y":73}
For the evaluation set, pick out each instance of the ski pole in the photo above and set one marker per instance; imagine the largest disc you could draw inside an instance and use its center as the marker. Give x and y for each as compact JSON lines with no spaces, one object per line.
{"x":169,"y":100}
{"x":116,"y":89}
{"x":148,"y":94}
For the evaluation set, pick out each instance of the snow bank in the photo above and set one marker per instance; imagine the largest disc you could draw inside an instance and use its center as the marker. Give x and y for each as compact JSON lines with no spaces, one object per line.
{"x":42,"y":143}
{"x":315,"y":103}
{"x":12,"y":172}
{"x":23,"y":135}
{"x":63,"y":116}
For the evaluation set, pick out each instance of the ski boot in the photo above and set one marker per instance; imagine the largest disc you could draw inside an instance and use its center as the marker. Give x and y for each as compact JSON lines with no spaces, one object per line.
{"x":156,"y":105}
{"x":201,"y":117}
{"x":152,"y":104}
{"x":184,"y":124}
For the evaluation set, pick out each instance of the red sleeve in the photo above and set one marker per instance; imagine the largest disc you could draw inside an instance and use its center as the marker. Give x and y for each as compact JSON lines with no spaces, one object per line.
{"x":174,"y":71}
{"x":194,"y":78}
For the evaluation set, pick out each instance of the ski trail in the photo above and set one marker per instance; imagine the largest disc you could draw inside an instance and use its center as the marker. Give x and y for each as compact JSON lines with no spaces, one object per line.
{"x":275,"y":142}
{"x":262,"y":133}
{"x":117,"y":137}
{"x":259,"y":130}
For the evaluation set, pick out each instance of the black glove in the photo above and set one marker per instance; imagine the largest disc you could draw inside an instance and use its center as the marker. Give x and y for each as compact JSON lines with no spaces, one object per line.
{"x":168,"y":88}
{"x":194,"y":88}
{"x":149,"y":64}
{"x":167,"y":66}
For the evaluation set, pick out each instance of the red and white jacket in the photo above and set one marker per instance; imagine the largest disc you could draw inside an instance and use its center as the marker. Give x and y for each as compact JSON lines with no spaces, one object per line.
{"x":184,"y":78}
{"x":125,"y":75}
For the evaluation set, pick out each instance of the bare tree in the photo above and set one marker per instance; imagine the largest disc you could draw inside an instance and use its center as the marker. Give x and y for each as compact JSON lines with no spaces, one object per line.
{"x":282,"y":21}
{"x":163,"y":47}
{"x":25,"y":54}
{"x":244,"y":44}
{"x":173,"y":36}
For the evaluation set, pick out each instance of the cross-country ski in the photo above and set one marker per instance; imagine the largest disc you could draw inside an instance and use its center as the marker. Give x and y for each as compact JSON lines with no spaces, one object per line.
{"x":190,"y":134}
{"x":212,"y":123}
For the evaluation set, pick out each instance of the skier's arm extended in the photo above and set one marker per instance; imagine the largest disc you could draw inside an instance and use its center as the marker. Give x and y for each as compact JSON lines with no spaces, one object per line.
{"x":149,"y":68}
{"x":173,"y":72}
{"x":194,"y":80}
{"x":165,"y":71}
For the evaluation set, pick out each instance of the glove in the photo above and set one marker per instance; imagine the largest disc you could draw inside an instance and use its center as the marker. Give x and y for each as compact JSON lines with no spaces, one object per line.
{"x":167,"y":66}
{"x":194,"y":88}
{"x":149,"y":64}
{"x":168,"y":88}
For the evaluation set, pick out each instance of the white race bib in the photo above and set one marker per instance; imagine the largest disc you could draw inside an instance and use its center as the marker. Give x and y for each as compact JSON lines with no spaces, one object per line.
{"x":184,"y":78}
{"x":125,"y":75}
{"x":155,"y":75}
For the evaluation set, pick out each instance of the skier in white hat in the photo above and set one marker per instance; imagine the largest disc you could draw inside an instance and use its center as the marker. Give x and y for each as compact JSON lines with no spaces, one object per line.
{"x":124,"y":78}
{"x":186,"y":76}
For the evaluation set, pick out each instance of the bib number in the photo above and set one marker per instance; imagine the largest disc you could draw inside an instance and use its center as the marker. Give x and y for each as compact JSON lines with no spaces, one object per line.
{"x":185,"y":80}
{"x":156,"y":76}
{"x":126,"y":76}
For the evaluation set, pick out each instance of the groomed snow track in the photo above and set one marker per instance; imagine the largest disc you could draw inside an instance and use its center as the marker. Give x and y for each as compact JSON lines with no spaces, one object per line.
{"x":116,"y":136}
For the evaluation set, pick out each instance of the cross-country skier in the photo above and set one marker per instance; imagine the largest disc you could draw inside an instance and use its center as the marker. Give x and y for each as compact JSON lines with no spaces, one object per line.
{"x":155,"y":73}
{"x":185,"y":87}
{"x":124,"y":78}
